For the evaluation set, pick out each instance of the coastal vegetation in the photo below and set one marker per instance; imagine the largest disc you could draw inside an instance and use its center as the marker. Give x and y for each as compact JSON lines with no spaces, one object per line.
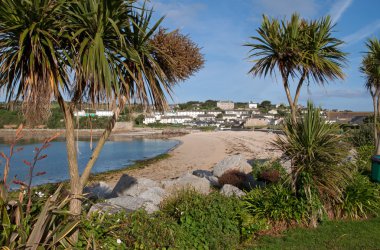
{"x":118,"y":56}
{"x":62,"y":49}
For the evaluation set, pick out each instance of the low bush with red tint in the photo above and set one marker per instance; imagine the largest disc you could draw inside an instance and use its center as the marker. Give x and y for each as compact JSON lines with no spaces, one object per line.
{"x":234,"y":178}
{"x":270,"y":175}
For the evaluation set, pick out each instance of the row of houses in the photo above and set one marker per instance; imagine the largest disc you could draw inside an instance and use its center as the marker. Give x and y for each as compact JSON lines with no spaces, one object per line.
{"x":216,"y":118}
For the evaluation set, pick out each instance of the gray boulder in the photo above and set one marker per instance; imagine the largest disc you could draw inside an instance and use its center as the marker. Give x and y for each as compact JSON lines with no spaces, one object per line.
{"x":229,"y":190}
{"x":100,"y":190}
{"x":235,"y":162}
{"x":154,"y":195}
{"x":202,"y":173}
{"x":213,"y":181}
{"x":130,"y":186}
{"x":104,"y":207}
{"x":130,"y":203}
{"x":201,"y":185}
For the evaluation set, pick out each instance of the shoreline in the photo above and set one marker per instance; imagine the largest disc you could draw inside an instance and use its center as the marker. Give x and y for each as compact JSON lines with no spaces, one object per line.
{"x":195,"y":150}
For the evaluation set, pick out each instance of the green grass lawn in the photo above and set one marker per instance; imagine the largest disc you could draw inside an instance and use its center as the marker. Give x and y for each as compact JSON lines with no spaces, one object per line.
{"x":329,"y":235}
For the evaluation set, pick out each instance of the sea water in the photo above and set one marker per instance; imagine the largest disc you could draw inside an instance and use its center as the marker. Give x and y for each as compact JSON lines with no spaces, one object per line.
{"x":115,"y":155}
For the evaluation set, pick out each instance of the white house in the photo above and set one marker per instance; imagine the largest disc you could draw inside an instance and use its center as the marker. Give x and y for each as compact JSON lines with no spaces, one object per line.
{"x":236,"y":112}
{"x":273,"y":112}
{"x":191,"y":113}
{"x":175,"y":119}
{"x":213,"y":112}
{"x":80,"y":113}
{"x":149,"y":119}
{"x":225,"y":105}
{"x":103,"y":113}
{"x":253,"y":105}
{"x":206,"y":117}
{"x":229,"y":117}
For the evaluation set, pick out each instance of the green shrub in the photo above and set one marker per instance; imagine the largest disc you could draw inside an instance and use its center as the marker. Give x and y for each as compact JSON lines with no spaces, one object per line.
{"x":275,"y":203}
{"x":362,"y":136}
{"x":363,"y":158}
{"x":137,"y":230}
{"x":208,"y":221}
{"x":261,"y":169}
{"x":361,"y":198}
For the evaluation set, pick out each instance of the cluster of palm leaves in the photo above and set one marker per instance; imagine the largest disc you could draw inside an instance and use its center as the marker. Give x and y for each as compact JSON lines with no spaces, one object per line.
{"x":317,"y":151}
{"x":371,"y":70}
{"x":97,"y":51}
{"x":300,"y":50}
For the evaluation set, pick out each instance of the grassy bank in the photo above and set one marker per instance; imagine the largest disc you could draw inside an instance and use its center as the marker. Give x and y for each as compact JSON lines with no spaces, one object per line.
{"x":329,"y":235}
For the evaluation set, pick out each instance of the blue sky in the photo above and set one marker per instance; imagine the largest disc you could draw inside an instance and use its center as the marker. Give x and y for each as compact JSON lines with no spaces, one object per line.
{"x":221,"y":27}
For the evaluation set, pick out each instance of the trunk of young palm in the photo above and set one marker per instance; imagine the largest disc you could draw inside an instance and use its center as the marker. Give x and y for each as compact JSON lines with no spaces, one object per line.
{"x":75,"y":187}
{"x":99,"y":146}
{"x":375,"y":123}
{"x":374,"y":119}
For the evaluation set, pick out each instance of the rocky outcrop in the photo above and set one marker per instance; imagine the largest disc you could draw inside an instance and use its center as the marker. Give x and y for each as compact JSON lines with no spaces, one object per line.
{"x":104,"y":207}
{"x":229,"y":190}
{"x":130,"y":203}
{"x":201,"y":185}
{"x":235,"y":162}
{"x":99,"y":190}
{"x":128,"y":185}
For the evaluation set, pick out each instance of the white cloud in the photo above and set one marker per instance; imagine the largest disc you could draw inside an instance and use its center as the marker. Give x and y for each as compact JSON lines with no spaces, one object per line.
{"x":362,"y":33}
{"x":179,"y":14}
{"x":338,"y":9}
{"x":280,"y":8}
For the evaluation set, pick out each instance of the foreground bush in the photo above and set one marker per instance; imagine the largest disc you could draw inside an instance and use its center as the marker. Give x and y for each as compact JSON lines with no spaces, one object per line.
{"x":137,"y":230}
{"x":361,"y":199}
{"x":276,"y":204}
{"x":317,"y":151}
{"x":208,"y":221}
{"x":269,"y":172}
{"x":235,"y":178}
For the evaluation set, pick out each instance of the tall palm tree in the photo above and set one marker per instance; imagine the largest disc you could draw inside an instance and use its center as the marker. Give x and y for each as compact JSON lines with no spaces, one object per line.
{"x":371,"y":69}
{"x":94,"y":50}
{"x":298,"y":49}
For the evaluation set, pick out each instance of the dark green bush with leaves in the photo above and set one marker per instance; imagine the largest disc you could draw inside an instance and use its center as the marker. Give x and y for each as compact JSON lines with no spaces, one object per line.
{"x":137,"y":230}
{"x":362,"y":136}
{"x":277,"y":204}
{"x":208,"y":221}
{"x":260,"y":169}
{"x":361,"y":198}
{"x":363,"y":158}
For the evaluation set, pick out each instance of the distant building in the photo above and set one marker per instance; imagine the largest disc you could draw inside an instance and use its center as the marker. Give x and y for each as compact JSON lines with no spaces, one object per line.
{"x":206,"y":117}
{"x":176,"y":119}
{"x":225,"y":105}
{"x":237,"y":112}
{"x":273,"y":112}
{"x":80,"y":113}
{"x":149,"y":119}
{"x":103,"y":113}
{"x":191,"y":113}
{"x":257,"y":121}
{"x":253,"y":105}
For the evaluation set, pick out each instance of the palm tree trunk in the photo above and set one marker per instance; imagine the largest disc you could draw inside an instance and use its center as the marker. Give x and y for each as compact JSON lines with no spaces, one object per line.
{"x":99,"y":146}
{"x":377,"y":114}
{"x":374,"y":119}
{"x":293,"y":109}
{"x":75,"y":187}
{"x":297,"y":94}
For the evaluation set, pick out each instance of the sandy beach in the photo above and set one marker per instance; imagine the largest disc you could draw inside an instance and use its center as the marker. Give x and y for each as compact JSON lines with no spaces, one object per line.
{"x":202,"y":150}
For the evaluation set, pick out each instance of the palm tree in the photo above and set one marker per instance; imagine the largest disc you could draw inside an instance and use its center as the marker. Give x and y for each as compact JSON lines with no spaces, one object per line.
{"x":371,"y":70}
{"x":94,"y":50}
{"x":297,"y":49}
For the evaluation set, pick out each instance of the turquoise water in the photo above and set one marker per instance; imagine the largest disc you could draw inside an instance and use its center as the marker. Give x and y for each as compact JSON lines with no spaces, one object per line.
{"x":115,"y":155}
